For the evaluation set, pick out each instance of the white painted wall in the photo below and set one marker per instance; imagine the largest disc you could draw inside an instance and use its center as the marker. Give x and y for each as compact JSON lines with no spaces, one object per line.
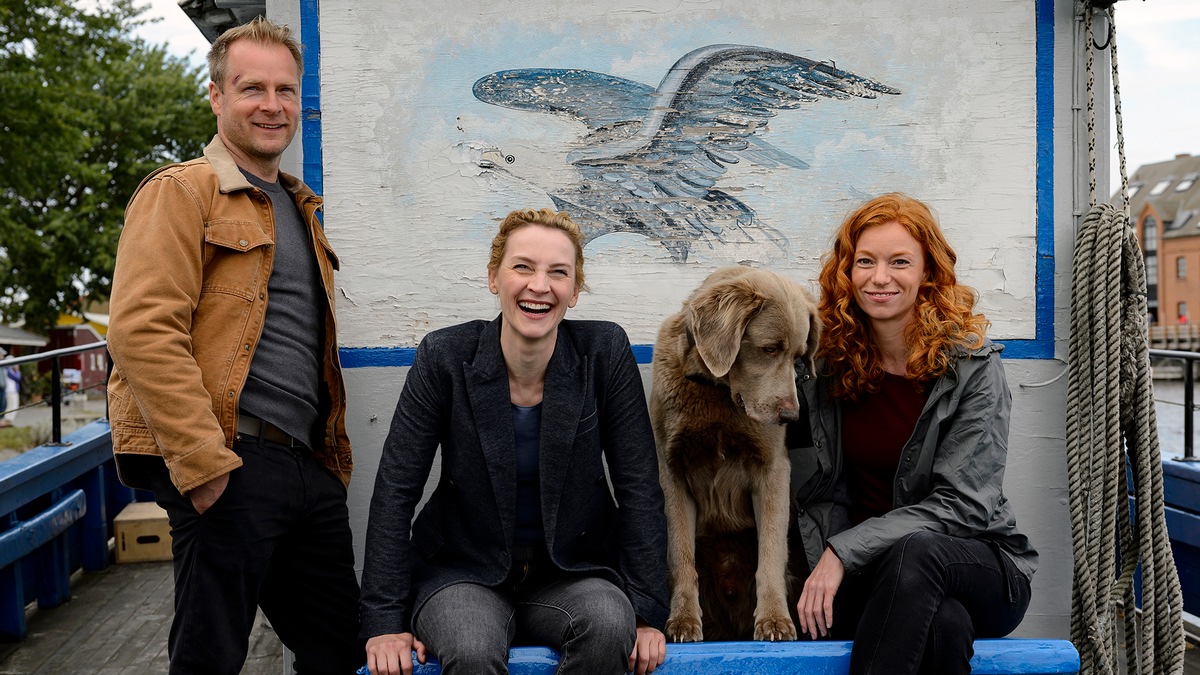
{"x":287,"y":13}
{"x":410,"y":213}
{"x":411,"y":209}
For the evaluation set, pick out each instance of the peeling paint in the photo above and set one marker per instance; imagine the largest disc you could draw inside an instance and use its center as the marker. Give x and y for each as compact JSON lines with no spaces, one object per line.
{"x":419,"y":169}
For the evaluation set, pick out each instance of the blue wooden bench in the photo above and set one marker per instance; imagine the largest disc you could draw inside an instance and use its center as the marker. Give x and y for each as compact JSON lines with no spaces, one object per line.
{"x":992,"y":657}
{"x":57,"y":503}
{"x":1181,"y":492}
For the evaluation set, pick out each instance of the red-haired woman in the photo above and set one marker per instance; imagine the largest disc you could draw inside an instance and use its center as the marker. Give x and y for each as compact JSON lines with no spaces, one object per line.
{"x":909,"y":411}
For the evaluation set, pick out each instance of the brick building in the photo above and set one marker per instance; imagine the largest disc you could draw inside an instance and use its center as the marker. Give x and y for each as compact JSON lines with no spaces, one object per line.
{"x":1165,"y":210}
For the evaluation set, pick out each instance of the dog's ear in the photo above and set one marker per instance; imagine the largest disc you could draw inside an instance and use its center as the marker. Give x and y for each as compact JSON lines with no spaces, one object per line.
{"x":814,"y":339}
{"x":717,"y":316}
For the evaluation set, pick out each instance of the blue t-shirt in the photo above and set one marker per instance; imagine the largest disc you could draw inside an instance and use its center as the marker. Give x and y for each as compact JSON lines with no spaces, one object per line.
{"x":527,"y":425}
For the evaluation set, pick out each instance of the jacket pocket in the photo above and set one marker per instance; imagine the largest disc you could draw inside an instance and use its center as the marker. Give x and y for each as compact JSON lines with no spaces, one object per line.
{"x":129,"y":431}
{"x":234,"y":257}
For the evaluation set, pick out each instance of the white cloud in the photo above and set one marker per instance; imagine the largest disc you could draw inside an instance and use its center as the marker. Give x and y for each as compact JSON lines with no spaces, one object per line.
{"x":1135,"y":14}
{"x":1156,"y":56}
{"x":175,"y":30}
{"x":171,"y":27}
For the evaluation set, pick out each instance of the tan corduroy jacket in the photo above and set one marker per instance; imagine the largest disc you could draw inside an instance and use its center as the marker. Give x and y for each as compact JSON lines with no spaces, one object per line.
{"x":188,"y":301}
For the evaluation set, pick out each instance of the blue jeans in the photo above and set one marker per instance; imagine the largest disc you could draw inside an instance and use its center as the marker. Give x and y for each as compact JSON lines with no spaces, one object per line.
{"x":278,"y":538}
{"x":920,"y":606}
{"x":469,"y":627}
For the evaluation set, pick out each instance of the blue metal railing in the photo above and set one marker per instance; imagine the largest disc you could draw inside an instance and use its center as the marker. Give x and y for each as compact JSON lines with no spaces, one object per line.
{"x":57,"y":504}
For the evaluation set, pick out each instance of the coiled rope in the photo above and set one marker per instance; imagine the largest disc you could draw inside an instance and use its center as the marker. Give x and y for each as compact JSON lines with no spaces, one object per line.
{"x":1112,"y":440}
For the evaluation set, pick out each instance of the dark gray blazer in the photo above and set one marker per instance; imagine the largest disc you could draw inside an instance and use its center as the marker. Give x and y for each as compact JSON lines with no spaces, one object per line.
{"x":456,"y":396}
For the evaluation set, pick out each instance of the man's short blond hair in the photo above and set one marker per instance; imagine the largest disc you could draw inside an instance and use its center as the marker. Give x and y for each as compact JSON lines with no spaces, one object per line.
{"x":259,"y":30}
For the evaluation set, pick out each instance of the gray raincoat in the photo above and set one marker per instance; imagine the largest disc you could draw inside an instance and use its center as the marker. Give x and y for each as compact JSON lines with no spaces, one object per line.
{"x":950,"y":478}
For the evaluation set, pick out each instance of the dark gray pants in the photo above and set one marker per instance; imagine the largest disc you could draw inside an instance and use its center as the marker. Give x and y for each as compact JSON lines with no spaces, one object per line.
{"x":278,"y":538}
{"x":469,"y":627}
{"x":920,"y":606}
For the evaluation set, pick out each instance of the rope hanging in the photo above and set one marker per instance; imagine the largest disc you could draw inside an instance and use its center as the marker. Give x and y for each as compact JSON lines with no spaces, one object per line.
{"x":1112,"y":441}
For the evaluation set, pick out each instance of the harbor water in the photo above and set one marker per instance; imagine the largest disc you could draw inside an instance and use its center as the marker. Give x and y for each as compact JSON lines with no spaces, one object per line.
{"x":1168,"y":408}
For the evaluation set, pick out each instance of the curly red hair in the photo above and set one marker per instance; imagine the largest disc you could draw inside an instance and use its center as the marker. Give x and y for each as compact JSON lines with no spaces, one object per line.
{"x":944,"y":315}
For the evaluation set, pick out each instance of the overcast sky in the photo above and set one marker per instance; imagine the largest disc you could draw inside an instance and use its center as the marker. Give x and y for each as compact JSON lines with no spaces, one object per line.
{"x":1157,"y":55}
{"x":175,"y":29}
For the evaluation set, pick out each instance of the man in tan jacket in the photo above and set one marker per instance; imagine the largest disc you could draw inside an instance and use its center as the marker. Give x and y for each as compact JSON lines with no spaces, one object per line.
{"x":227,"y":398}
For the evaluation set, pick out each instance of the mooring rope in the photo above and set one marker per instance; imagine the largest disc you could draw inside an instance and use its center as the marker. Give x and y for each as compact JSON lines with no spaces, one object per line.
{"x":1112,"y":440}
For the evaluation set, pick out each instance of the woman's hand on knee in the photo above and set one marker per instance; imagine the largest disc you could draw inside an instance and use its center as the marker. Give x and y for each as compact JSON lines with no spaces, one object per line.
{"x":815,"y":607}
{"x":649,"y":650}
{"x":392,"y":654}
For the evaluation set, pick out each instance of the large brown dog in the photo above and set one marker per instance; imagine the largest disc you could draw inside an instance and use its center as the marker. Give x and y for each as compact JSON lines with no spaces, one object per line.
{"x":724,"y":385}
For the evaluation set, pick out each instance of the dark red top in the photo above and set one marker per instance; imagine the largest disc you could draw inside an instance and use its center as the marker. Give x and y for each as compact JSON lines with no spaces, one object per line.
{"x":875,"y":429}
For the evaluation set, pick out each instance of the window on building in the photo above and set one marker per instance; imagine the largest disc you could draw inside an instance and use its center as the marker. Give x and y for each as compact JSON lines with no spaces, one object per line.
{"x":1186,"y":183}
{"x":1133,"y":189}
{"x":1151,"y":269}
{"x":1181,"y":312}
{"x":1161,"y":187}
{"x":1150,"y":235}
{"x":1181,"y":267}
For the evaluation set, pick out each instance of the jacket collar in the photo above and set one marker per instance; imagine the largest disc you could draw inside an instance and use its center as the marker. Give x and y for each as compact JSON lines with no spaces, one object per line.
{"x":950,"y":379}
{"x":230,"y":178}
{"x":814,"y":388}
{"x":982,"y":351}
{"x":489,"y":359}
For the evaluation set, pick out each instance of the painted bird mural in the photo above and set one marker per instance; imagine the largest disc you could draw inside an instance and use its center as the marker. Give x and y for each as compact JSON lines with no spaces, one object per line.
{"x":650,"y":161}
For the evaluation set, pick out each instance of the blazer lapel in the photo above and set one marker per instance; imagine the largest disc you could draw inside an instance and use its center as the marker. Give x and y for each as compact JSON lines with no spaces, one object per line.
{"x":563,"y":397}
{"x":487,"y":387}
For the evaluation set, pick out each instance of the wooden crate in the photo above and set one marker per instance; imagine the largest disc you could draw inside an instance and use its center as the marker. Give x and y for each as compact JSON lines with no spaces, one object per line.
{"x":142,"y":533}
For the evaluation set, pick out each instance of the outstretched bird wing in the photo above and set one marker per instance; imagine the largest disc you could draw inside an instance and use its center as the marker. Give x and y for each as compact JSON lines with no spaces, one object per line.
{"x":596,"y":99}
{"x":651,"y":158}
{"x":711,"y":104}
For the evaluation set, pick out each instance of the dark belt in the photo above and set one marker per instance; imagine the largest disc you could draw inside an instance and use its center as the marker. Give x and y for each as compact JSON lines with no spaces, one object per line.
{"x":262,"y":429}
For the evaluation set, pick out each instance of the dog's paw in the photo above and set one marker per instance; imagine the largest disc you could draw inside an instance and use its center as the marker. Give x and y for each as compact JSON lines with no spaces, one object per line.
{"x":774,"y":629}
{"x":684,"y":629}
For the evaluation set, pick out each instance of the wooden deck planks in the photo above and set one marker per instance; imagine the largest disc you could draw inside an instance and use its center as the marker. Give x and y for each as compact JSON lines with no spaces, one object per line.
{"x":117,"y":623}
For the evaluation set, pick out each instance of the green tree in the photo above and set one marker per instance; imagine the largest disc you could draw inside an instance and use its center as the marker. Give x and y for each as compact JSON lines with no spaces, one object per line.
{"x":86,"y":111}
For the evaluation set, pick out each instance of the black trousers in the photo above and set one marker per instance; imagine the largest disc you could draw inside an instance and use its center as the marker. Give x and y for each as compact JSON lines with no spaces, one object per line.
{"x":919,"y":607}
{"x":278,"y":538}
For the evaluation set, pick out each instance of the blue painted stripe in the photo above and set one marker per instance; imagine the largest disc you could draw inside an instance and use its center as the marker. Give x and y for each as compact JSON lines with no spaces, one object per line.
{"x":376,"y":357}
{"x":1045,"y":180}
{"x":1042,"y":345}
{"x":310,"y":96}
{"x":396,"y":357}
{"x":1023,"y":349}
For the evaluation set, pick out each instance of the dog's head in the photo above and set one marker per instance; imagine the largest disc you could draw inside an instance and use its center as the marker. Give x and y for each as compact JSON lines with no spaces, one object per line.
{"x":746,"y":328}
